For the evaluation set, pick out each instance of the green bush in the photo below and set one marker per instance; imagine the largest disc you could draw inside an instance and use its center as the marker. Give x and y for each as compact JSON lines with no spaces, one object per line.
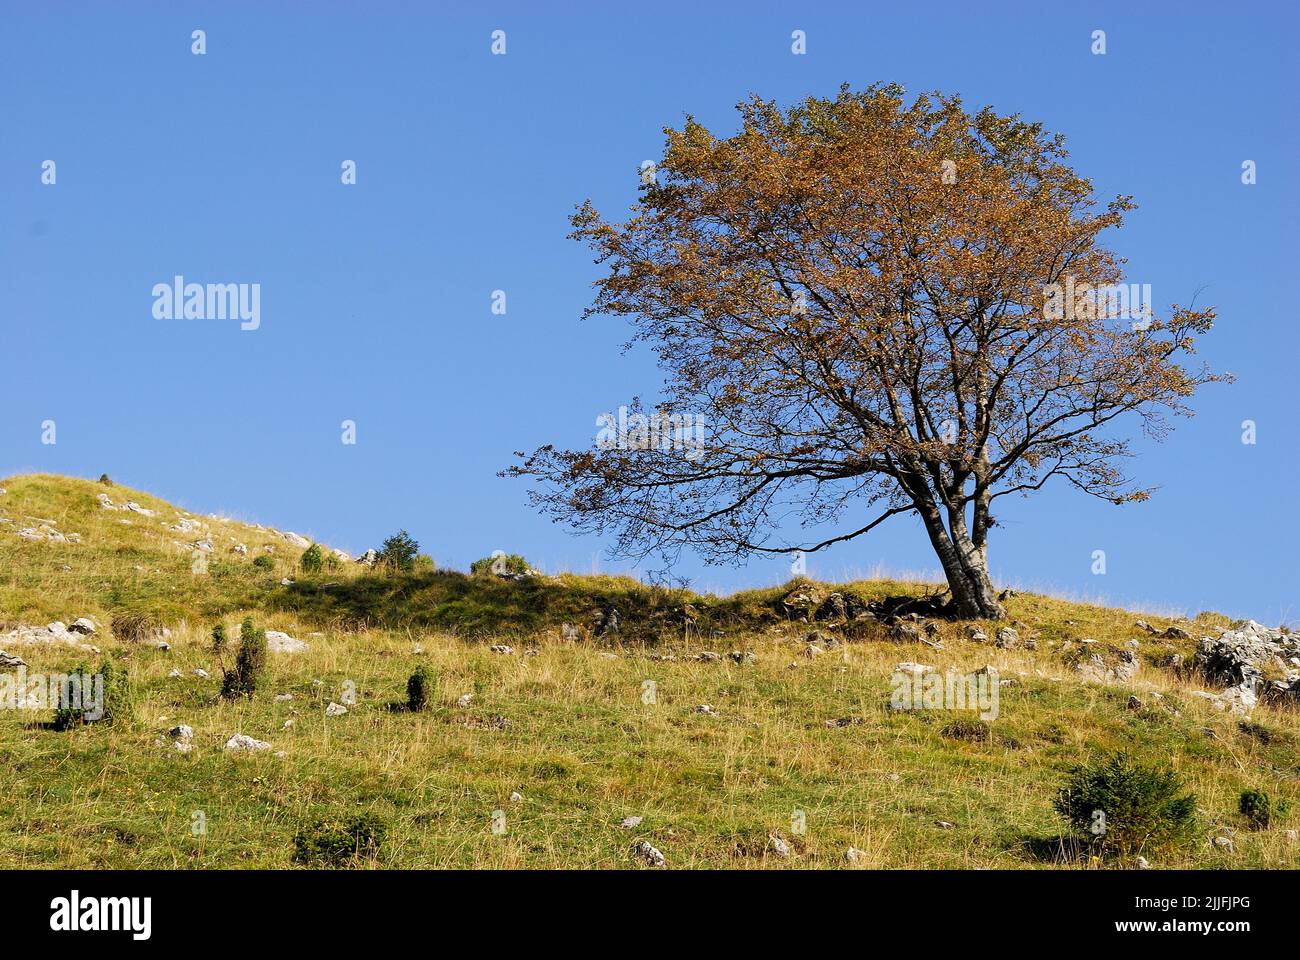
{"x":1258,"y":808}
{"x":264,"y":562}
{"x":116,"y":706}
{"x":103,"y":478}
{"x":312,"y":559}
{"x":219,"y":640}
{"x":500,"y":563}
{"x":419,"y":689}
{"x":243,"y":679}
{"x":1119,"y":807}
{"x":335,"y":842}
{"x":399,"y":552}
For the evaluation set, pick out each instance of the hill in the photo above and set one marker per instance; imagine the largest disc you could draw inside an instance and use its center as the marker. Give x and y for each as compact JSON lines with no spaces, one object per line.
{"x":561,"y":706}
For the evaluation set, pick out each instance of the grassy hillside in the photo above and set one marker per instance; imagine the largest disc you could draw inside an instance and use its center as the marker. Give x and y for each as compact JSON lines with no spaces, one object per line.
{"x":799,"y":745}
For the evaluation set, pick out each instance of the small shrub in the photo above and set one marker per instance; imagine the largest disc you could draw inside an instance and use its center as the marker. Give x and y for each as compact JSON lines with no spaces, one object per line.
{"x":419,"y":689}
{"x":1258,"y":808}
{"x":134,"y":627}
{"x":335,"y":842}
{"x":103,"y":478}
{"x":500,"y":563}
{"x":312,"y":559}
{"x":219,"y":639}
{"x":115,"y":706}
{"x":264,"y":562}
{"x":424,"y":564}
{"x":399,"y":552}
{"x":1121,"y":807}
{"x":249,"y":661}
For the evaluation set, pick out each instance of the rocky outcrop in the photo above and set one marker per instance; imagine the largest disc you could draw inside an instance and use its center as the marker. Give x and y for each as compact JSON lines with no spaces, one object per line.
{"x":56,"y":633}
{"x":1242,"y":659}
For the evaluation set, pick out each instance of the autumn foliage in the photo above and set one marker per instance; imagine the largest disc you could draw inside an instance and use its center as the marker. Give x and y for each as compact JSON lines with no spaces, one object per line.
{"x":863,"y":299}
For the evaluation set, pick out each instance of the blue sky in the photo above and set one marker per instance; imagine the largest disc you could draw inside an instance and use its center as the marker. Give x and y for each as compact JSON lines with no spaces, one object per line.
{"x":375,"y":298}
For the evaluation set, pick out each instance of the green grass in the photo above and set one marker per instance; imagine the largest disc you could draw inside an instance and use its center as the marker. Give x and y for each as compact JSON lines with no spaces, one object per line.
{"x":578,"y":742}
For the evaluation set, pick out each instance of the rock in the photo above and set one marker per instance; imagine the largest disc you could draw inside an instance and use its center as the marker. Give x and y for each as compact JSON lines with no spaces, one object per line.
{"x":502,"y":649}
{"x":286,"y":582}
{"x":243,"y":743}
{"x":742,"y":657}
{"x":1096,"y":668}
{"x":569,"y":632}
{"x":1172,"y":661}
{"x":853,"y":855}
{"x":779,"y":847}
{"x":369,"y":558}
{"x":83,"y":625}
{"x":163,"y":645}
{"x":706,"y":656}
{"x":277,"y":642}
{"x":1225,"y":844}
{"x":1143,"y":863}
{"x":976,"y":634}
{"x":944,"y":825}
{"x":1243,"y":654}
{"x":1007,"y":595}
{"x":181,"y":733}
{"x":1240,"y":699}
{"x":288,"y":724}
{"x":1007,"y":638}
{"x":200,"y":673}
{"x":465,"y":700}
{"x":335,"y":709}
{"x":174,"y":673}
{"x":1132,"y":644}
{"x":905,"y":632}
{"x":1127,"y":667}
{"x":302,"y":543}
{"x":813,"y":650}
{"x":912,"y":668}
{"x":800,"y":603}
{"x":55,"y":634}
{"x":606,"y":622}
{"x":631,"y":823}
{"x":1134,"y":703}
{"x":240,"y":548}
{"x":341,"y":555}
{"x":283,"y":697}
{"x":8,"y":660}
{"x":516,"y":797}
{"x":1175,"y":633}
{"x":648,"y":854}
{"x":706,"y":709}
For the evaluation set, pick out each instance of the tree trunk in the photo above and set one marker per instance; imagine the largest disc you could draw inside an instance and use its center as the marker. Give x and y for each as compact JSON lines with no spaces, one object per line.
{"x":966,"y":567}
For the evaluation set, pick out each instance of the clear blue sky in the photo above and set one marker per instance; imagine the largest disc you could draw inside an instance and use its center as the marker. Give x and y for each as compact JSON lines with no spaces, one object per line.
{"x":376,"y":297}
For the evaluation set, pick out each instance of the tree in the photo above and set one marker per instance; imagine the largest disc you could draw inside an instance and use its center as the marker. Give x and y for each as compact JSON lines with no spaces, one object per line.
{"x":398,"y":552}
{"x":876,"y":309}
{"x":312,"y":559}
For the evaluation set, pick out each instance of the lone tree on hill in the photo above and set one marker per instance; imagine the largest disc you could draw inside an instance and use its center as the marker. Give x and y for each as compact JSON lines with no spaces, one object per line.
{"x":875,"y":309}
